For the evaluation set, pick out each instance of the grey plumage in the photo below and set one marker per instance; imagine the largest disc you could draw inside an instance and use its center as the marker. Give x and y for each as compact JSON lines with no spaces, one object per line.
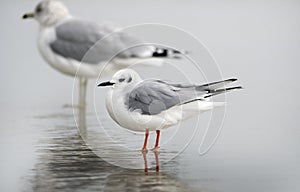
{"x":151,"y":97}
{"x":76,"y":37}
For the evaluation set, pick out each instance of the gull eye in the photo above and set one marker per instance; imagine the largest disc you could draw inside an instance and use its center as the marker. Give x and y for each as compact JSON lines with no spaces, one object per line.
{"x":121,"y":80}
{"x":39,"y":9}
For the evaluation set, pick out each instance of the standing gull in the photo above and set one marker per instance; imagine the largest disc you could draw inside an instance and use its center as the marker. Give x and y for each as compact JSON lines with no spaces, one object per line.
{"x":153,"y":105}
{"x":80,"y":48}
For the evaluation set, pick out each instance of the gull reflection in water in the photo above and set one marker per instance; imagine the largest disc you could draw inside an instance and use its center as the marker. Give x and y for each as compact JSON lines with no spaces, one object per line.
{"x":146,"y":162}
{"x":65,"y":163}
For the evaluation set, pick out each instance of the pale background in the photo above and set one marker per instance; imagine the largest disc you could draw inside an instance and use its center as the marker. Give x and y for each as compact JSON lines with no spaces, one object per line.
{"x":256,"y":41}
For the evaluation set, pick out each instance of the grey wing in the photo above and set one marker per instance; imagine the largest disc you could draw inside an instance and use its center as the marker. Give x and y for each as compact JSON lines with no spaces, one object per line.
{"x":154,"y":96}
{"x":78,"y":39}
{"x":151,"y":97}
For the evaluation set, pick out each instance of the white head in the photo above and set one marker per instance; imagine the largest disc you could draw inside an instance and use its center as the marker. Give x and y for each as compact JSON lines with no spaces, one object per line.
{"x":125,"y":78}
{"x":48,"y":12}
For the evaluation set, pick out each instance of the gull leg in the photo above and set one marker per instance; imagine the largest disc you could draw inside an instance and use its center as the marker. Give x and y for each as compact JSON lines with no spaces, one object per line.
{"x":157,"y":141}
{"x":82,"y":95}
{"x":144,"y":149}
{"x":82,"y":92}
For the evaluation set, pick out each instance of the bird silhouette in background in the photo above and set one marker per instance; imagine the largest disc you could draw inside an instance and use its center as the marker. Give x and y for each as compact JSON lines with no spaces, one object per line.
{"x":82,"y":49}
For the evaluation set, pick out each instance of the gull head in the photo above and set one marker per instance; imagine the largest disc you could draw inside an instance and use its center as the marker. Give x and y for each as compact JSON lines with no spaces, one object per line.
{"x":48,"y":12}
{"x":123,"y":79}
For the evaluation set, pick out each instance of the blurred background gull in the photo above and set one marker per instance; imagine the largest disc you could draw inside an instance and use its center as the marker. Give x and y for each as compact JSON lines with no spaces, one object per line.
{"x":84,"y":49}
{"x":258,"y":149}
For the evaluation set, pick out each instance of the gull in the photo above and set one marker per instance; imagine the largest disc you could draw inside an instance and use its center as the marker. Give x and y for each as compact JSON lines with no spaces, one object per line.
{"x":80,"y":48}
{"x":153,"y":105}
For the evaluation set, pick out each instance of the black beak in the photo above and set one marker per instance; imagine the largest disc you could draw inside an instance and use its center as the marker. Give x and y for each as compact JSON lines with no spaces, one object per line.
{"x":28,"y":15}
{"x":108,"y":83}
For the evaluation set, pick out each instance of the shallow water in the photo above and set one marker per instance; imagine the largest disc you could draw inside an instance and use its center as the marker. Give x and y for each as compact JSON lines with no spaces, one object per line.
{"x":54,"y":157}
{"x":64,"y":162}
{"x":257,"y":150}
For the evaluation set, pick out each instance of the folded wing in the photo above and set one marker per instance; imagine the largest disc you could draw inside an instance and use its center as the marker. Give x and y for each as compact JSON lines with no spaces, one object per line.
{"x":78,"y":39}
{"x":151,"y":97}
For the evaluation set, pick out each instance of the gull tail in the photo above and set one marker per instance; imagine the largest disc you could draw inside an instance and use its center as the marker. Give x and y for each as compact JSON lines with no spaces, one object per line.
{"x":168,"y":53}
{"x":220,"y":91}
{"x":216,"y":88}
{"x":215,"y":85}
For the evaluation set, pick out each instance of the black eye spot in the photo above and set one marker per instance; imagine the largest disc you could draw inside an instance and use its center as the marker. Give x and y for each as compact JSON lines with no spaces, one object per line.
{"x":39,"y":9}
{"x":122,"y":79}
{"x":130,"y":79}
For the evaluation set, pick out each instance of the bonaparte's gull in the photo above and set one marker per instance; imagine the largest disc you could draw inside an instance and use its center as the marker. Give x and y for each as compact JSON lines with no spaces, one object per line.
{"x":153,"y":105}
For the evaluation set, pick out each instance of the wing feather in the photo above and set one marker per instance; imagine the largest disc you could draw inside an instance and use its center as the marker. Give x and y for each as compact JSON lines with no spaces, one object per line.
{"x":151,"y":97}
{"x":75,"y":38}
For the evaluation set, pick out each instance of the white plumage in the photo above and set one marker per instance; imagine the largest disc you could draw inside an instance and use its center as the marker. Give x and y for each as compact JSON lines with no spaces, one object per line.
{"x":149,"y":105}
{"x":85,"y":49}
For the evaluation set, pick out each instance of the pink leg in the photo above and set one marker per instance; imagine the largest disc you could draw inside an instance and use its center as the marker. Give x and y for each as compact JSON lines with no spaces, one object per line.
{"x":157,"y":141}
{"x":145,"y":141}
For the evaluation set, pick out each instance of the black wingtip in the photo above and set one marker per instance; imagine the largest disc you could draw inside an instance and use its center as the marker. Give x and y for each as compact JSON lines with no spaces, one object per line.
{"x":232,"y":79}
{"x":220,"y":91}
{"x":232,"y":88}
{"x":176,"y":51}
{"x":168,"y":52}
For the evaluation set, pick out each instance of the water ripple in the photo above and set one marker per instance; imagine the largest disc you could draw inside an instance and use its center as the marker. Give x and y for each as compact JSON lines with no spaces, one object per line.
{"x":65,"y":163}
